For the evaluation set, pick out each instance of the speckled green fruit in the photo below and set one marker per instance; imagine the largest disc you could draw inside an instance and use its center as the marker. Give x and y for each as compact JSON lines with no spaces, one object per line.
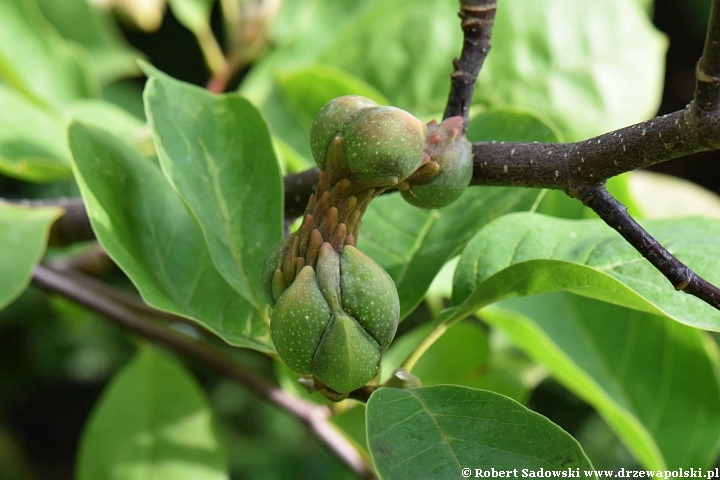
{"x":369,"y":295}
{"x":348,"y":357}
{"x":329,"y":122}
{"x":335,"y":321}
{"x":454,"y":156}
{"x":299,"y":320}
{"x":384,"y":143}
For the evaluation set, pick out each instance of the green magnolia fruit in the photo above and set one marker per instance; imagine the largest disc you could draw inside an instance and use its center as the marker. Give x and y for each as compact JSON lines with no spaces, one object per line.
{"x":329,"y":122}
{"x":372,"y":146}
{"x":335,"y":320}
{"x":383,"y":145}
{"x":335,"y":309}
{"x":450,"y":167}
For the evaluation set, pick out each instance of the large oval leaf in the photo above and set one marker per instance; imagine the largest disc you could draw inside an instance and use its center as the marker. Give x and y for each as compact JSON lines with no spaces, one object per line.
{"x":402,"y":49}
{"x":603,"y":58}
{"x":652,"y":379}
{"x":23,"y":238}
{"x":217,"y":153}
{"x":524,"y":254}
{"x":307,"y":90}
{"x":152,"y":422}
{"x":145,"y":228}
{"x":435,"y":432}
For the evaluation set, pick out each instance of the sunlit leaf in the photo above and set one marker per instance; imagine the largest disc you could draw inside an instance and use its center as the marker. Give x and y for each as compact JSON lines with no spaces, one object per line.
{"x":525,"y":254}
{"x":32,"y":140}
{"x":145,"y":228}
{"x":649,"y":377}
{"x":591,"y":66}
{"x":435,"y":432}
{"x":23,"y":238}
{"x":153,"y":421}
{"x":217,"y":153}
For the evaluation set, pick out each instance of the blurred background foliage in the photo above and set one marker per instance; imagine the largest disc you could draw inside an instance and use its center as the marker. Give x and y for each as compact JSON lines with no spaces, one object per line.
{"x":78,"y":60}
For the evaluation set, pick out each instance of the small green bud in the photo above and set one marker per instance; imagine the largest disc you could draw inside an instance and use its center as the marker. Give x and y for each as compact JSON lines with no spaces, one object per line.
{"x":329,"y":122}
{"x":269,"y":282}
{"x":451,"y":159}
{"x":335,"y":321}
{"x":401,"y":378}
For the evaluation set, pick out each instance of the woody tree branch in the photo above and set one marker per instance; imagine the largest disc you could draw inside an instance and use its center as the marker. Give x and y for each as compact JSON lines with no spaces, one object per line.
{"x":477,"y":18}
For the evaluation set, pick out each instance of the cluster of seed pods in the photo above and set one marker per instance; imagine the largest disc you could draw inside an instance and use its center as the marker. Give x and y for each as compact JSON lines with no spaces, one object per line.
{"x":335,"y":309}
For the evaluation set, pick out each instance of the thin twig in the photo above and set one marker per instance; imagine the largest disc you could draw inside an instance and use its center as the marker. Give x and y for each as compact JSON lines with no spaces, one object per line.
{"x":707,"y":73}
{"x":315,"y":417}
{"x":615,"y":214}
{"x":92,"y":260}
{"x":477,"y":18}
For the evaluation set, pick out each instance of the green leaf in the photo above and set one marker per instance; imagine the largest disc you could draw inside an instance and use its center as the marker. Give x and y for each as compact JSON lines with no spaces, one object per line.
{"x":403,"y":48}
{"x":435,"y":432}
{"x":590,"y":66}
{"x":95,"y":30}
{"x":524,"y":254}
{"x":113,"y":119}
{"x":193,"y":14}
{"x":145,"y":228}
{"x":32,"y":140}
{"x":23,"y":238}
{"x":37,"y":62}
{"x":153,"y":422}
{"x":666,"y":196}
{"x":455,"y":357}
{"x":217,"y":153}
{"x":558,"y":204}
{"x":649,"y":377}
{"x":512,"y":125}
{"x":307,"y":90}
{"x":412,"y":244}
{"x":468,"y":355}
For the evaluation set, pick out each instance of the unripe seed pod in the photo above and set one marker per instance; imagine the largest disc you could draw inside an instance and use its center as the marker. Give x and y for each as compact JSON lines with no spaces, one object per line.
{"x":383,"y":145}
{"x":335,"y":309}
{"x":335,"y":321}
{"x":298,"y":322}
{"x":329,"y":122}
{"x":449,"y":152}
